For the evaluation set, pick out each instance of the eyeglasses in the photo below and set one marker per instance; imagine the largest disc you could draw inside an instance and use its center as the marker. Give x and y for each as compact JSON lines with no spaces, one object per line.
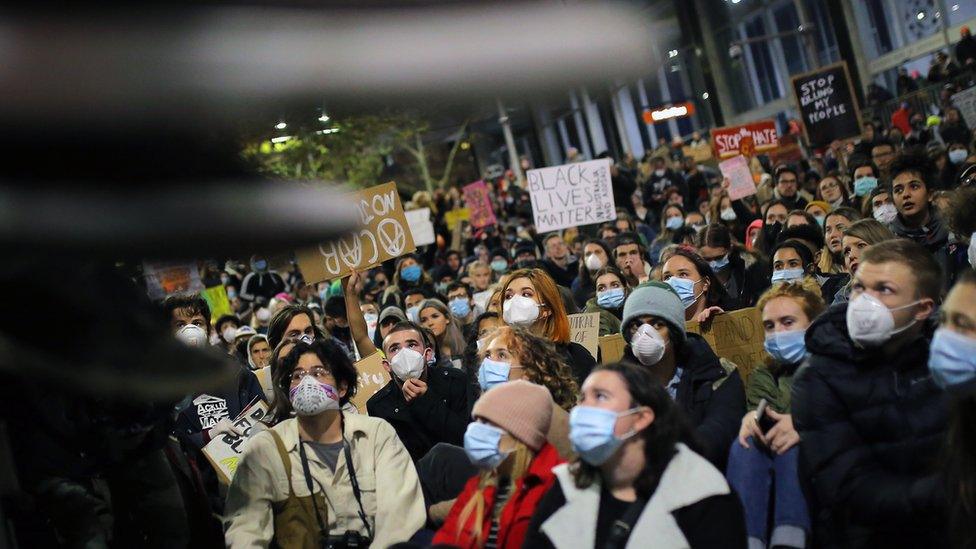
{"x":830,"y":185}
{"x":319,"y":373}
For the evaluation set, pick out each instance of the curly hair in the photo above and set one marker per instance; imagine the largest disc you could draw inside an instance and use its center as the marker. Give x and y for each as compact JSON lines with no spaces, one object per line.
{"x":961,"y":213}
{"x":542,"y":364}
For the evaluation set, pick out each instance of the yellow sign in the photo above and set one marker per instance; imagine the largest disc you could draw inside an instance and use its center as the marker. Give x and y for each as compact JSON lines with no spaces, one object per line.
{"x":219,"y":304}
{"x":454,"y":217}
{"x":737,"y":336}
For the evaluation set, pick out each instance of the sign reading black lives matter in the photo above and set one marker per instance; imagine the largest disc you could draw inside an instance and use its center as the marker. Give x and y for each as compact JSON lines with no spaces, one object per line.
{"x":571,"y":195}
{"x":827,"y":104}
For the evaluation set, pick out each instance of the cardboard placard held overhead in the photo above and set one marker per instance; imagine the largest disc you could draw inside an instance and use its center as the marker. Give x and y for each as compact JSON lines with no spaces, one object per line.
{"x":384,"y":234}
{"x":372,"y":378}
{"x":571,"y":195}
{"x":736,"y":170}
{"x":612,"y":348}
{"x":478,"y":203}
{"x":165,"y":278}
{"x":701,"y":153}
{"x":584,"y":328}
{"x":737,"y":336}
{"x":454,"y":217}
{"x":728,"y":141}
{"x":828,"y":106}
{"x":421,"y":226}
{"x":224,"y":452}
{"x":965,"y":101}
{"x":219,"y":303}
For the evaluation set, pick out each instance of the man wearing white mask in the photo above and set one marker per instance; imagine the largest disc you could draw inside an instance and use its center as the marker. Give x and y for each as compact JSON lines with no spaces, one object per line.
{"x":426,"y":402}
{"x":870,"y":418}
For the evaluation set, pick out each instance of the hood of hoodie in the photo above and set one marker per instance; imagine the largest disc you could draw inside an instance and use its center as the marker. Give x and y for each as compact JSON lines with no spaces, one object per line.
{"x":699,"y":361}
{"x":933,"y":235}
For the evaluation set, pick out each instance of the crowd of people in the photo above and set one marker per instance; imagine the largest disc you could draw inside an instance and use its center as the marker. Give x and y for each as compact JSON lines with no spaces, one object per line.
{"x":495,"y":429}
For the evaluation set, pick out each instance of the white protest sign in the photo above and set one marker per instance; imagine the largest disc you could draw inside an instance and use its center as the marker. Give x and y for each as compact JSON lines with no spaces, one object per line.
{"x":421,"y":227}
{"x":736,"y":170}
{"x":571,"y":195}
{"x":584,"y":328}
{"x":165,"y":278}
{"x":965,"y":101}
{"x":264,"y":378}
{"x":224,"y":452}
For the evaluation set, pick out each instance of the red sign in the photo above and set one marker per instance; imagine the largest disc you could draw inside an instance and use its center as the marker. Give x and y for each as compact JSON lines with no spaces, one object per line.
{"x":477,"y":200}
{"x":728,"y":141}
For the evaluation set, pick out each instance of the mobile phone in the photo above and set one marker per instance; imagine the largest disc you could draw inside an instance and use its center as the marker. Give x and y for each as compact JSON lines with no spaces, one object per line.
{"x":765,"y":422}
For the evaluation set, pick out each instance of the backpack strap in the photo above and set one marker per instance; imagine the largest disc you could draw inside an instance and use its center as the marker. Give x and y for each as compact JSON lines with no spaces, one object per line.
{"x":283,"y":453}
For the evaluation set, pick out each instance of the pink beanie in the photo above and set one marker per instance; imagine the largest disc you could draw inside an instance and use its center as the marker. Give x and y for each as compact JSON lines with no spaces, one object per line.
{"x":522,"y":408}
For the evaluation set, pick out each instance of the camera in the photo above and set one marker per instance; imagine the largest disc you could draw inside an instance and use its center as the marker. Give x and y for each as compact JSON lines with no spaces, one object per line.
{"x":348,"y":540}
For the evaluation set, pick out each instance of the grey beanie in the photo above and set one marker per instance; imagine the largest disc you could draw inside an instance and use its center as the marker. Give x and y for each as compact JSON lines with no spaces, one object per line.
{"x":655,"y":299}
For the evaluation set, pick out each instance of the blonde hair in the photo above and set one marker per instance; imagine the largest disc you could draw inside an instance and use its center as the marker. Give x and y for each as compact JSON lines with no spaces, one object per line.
{"x":521,"y":457}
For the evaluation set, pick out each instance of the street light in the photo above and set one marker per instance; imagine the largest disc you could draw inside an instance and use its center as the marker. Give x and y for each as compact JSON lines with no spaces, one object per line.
{"x":280,"y":126}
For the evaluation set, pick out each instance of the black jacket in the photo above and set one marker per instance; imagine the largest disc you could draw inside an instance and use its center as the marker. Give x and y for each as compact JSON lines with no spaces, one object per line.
{"x":579,"y":359}
{"x":871,"y":428}
{"x":441,"y":415}
{"x":204,"y":411}
{"x":751,"y":278}
{"x":712,"y":399}
{"x":563,"y":277}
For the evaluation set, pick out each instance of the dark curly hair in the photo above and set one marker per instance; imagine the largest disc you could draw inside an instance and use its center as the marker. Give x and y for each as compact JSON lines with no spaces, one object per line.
{"x":542,"y":364}
{"x":914,"y":159}
{"x":331,"y":355}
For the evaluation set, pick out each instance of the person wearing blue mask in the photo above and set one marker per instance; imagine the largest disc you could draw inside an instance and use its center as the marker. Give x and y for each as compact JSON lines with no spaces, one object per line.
{"x":768,"y":445}
{"x":637,"y":466}
{"x":701,"y":292}
{"x":262,"y":283}
{"x":792,"y":261}
{"x":410,"y":273}
{"x":461,"y":301}
{"x":744,"y":274}
{"x":672,"y":219}
{"x":611,"y":291}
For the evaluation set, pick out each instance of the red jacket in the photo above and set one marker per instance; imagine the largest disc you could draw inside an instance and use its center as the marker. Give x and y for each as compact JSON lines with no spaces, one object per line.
{"x":514,"y":520}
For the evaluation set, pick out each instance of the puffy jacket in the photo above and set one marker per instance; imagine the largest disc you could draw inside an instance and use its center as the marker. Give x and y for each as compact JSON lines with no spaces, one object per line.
{"x":871,"y":428}
{"x":772,"y":383}
{"x":517,"y":512}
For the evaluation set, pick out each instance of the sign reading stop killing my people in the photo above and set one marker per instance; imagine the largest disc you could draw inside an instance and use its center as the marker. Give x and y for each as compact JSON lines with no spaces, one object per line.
{"x":571,"y":195}
{"x":383,"y":234}
{"x":827,"y":105}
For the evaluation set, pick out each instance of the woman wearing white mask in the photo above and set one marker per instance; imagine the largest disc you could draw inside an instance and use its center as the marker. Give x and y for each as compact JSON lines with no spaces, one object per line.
{"x":768,"y":445}
{"x":611,"y":291}
{"x":530,"y":299}
{"x":322,"y":474}
{"x":637,"y":479}
{"x":700,"y":290}
{"x":709,"y":391}
{"x":596,"y":255}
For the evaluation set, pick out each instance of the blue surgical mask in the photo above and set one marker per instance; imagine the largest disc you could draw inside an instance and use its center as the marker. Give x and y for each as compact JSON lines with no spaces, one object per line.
{"x":411,"y":273}
{"x":820,"y":219}
{"x":260,"y":265}
{"x":957,"y":156}
{"x":720,"y":263}
{"x":610,"y":299}
{"x":786,"y":347}
{"x":591,"y":433}
{"x":674,"y":223}
{"x":685,"y":289}
{"x":499,"y":265}
{"x":787,"y":275}
{"x":864,"y":185}
{"x":460,"y":307}
{"x":481,"y":444}
{"x":492,"y":372}
{"x":952,"y":359}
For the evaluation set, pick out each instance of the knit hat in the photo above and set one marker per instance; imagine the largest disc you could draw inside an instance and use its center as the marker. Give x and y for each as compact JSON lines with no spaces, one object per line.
{"x":392,"y":312}
{"x":819,"y":203}
{"x":522,"y":408}
{"x":655,"y":299}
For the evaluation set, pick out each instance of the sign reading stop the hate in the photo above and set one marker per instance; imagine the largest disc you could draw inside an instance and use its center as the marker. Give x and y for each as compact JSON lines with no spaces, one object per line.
{"x":384,"y":234}
{"x":755,"y":137}
{"x":827,"y":104}
{"x":571,"y":195}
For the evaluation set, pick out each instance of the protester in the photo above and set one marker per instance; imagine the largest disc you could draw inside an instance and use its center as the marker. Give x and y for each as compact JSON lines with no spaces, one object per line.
{"x":672,"y":219}
{"x":596,"y":255}
{"x":743,"y":274}
{"x":226,"y":327}
{"x":461,"y":302}
{"x":630,"y":256}
{"x":373,"y":494}
{"x":480,"y":274}
{"x":261,"y":284}
{"x":636,"y":468}
{"x":700,"y":290}
{"x":869,"y":415}
{"x":436,"y":317}
{"x":857,"y":237}
{"x":558,"y":262}
{"x":792,"y":261}
{"x":768,"y":445}
{"x":258,"y":352}
{"x":611,"y":291}
{"x":833,"y":191}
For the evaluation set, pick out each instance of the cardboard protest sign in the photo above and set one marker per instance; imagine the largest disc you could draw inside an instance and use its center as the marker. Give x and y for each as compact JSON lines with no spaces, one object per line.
{"x":224,"y":452}
{"x":219,"y":303}
{"x":584,"y":328}
{"x":828,"y":106}
{"x":757,"y":137}
{"x":612,"y":348}
{"x":701,"y":153}
{"x":736,"y":169}
{"x":264,"y":378}
{"x":478,"y":203}
{"x":165,"y":278}
{"x":571,"y":195}
{"x":421,"y":226}
{"x":384,"y":234}
{"x":372,"y":378}
{"x":454,"y":217}
{"x":737,"y":336}
{"x":965,"y":101}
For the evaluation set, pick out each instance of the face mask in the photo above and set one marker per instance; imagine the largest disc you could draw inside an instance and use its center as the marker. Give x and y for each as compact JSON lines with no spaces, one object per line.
{"x":229,"y":333}
{"x":231,"y":294}
{"x":864,"y":185}
{"x":957,"y":156}
{"x":952,"y":359}
{"x":787,"y":275}
{"x":263,"y":315}
{"x":193,"y":335}
{"x":870,"y":322}
{"x":460,"y":307}
{"x":659,"y":173}
{"x":520,"y":311}
{"x":499,"y":265}
{"x":306,"y":339}
{"x":885,"y":213}
{"x":492,"y":372}
{"x":648,"y":345}
{"x":972,"y":250}
{"x":591,"y":433}
{"x":411,"y":273}
{"x":685,"y":289}
{"x":224,"y":278}
{"x":786,"y":347}
{"x":407,"y":364}
{"x":727,"y":214}
{"x":720,"y":263}
{"x":593,"y":263}
{"x":481,"y":444}
{"x":371,"y":320}
{"x":413,"y":313}
{"x":674,"y":223}
{"x":610,"y":299}
{"x":820,"y":219}
{"x":261,"y":265}
{"x":324,"y":294}
{"x":311,"y":398}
